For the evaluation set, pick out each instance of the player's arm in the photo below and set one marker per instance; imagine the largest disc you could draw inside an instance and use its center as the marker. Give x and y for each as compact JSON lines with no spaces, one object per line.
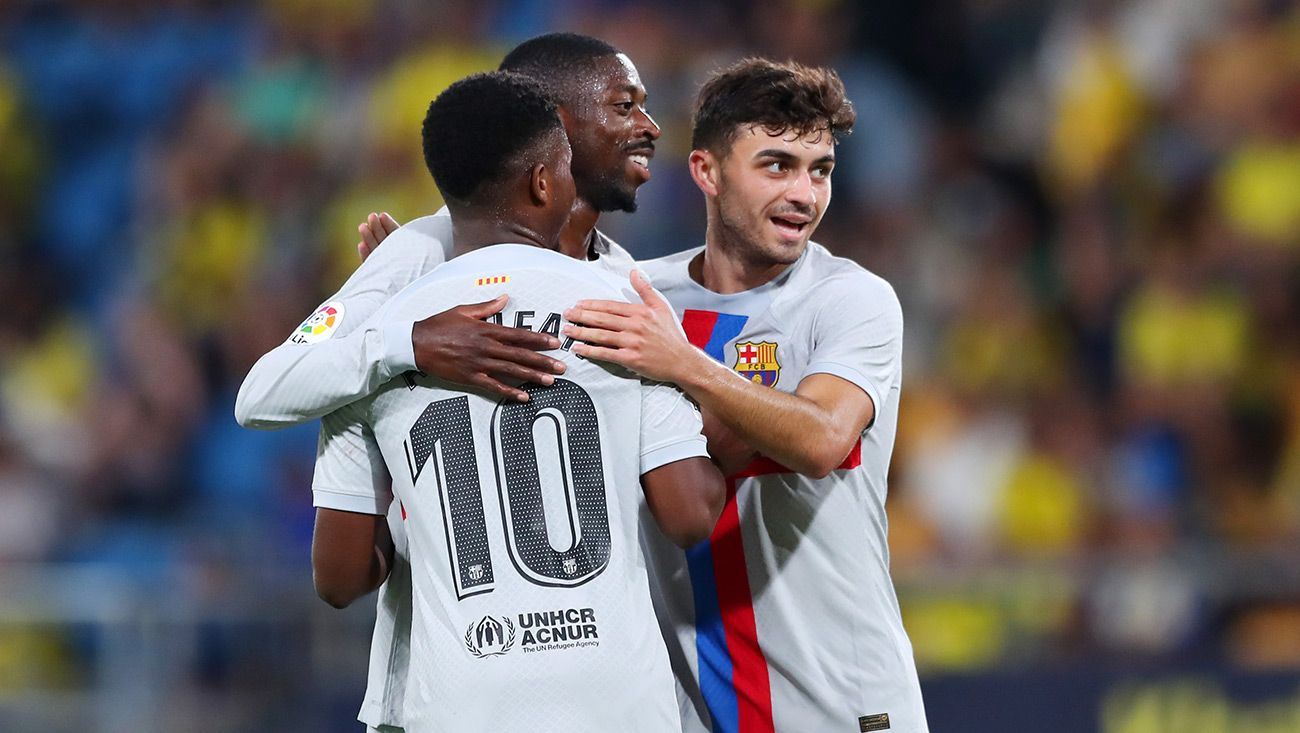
{"x":811,"y":430}
{"x":352,"y":548}
{"x":314,"y":374}
{"x":351,"y":554}
{"x":726,"y":448}
{"x":684,"y":490}
{"x":685,"y":498}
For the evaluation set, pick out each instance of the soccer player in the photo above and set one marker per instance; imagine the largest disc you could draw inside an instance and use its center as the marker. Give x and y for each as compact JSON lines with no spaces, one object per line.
{"x":331,"y":361}
{"x":613,"y":138}
{"x":786,"y":618}
{"x":531,"y":607}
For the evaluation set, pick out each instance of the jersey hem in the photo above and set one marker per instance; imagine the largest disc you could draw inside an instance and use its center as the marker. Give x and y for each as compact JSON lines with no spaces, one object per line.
{"x":323,"y":498}
{"x":369,"y":715}
{"x":659,"y":456}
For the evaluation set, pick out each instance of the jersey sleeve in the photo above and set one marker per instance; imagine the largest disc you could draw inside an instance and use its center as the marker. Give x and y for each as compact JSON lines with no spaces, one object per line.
{"x":670,"y":427}
{"x":337,"y":355}
{"x":350,"y":472}
{"x":858,"y":335}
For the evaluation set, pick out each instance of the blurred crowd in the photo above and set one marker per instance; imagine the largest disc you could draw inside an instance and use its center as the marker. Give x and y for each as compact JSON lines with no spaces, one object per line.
{"x":1090,"y":210}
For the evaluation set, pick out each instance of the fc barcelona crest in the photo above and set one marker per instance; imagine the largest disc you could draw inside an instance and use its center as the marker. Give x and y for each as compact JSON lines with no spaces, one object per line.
{"x":756,"y":361}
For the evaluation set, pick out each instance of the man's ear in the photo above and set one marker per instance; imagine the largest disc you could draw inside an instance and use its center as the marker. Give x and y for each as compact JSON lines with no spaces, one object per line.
{"x":540,"y":184}
{"x":706,"y":171}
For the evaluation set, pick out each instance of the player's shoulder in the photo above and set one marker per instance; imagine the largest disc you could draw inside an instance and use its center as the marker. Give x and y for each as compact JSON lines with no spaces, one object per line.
{"x":433,"y":230}
{"x":520,"y":260}
{"x":416,"y":247}
{"x":611,"y":256}
{"x":434,"y":226}
{"x":664,"y":271}
{"x":840,"y":278}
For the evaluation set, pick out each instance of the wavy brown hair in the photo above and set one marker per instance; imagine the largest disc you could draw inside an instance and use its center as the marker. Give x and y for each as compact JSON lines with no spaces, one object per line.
{"x":778,"y":97}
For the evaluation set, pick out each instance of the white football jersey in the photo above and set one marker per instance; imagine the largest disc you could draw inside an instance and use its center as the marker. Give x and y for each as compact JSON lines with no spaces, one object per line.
{"x":329,"y":361}
{"x":531,"y":608}
{"x":390,"y":645}
{"x":786,"y":618}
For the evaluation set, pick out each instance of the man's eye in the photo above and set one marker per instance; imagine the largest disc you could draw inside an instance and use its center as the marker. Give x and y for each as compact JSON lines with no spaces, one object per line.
{"x":625,"y":106}
{"x":821,"y":172}
{"x":775,"y":166}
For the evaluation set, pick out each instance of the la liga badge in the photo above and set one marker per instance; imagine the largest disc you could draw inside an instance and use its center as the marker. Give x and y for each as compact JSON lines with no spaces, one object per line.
{"x":756,"y":361}
{"x":320,"y":325}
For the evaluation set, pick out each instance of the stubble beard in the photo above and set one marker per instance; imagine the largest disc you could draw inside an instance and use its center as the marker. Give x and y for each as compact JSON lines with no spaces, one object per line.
{"x":605,"y":193}
{"x":745,"y":240}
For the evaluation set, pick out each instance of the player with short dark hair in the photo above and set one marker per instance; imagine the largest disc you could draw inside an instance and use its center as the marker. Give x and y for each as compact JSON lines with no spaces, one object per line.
{"x":560,"y":62}
{"x":330,"y":360}
{"x":466,"y":158}
{"x":516,"y":133}
{"x":786,"y":619}
{"x":610,"y":161}
{"x":561,"y":637}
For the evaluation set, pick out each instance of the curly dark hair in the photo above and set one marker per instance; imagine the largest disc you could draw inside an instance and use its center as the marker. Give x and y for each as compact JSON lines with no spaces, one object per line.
{"x":779,"y":97}
{"x":479,"y":130}
{"x":560,"y":61}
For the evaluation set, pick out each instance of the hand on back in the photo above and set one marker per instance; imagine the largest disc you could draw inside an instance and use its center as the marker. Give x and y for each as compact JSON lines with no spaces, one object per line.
{"x":644,"y":337}
{"x":459,"y":346}
{"x":374,"y":230}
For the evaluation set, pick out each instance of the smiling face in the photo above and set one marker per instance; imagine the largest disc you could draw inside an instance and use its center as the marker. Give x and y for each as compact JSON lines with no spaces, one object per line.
{"x":770,"y":191}
{"x":613,"y":136}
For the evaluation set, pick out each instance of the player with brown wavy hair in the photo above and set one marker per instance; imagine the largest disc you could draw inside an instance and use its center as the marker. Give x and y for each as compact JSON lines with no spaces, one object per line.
{"x":786,"y":618}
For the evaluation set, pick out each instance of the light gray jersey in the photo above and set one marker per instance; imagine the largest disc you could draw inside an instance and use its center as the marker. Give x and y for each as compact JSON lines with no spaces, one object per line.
{"x":786,"y":618}
{"x":531,"y":609}
{"x":329,"y":360}
{"x":390,"y":645}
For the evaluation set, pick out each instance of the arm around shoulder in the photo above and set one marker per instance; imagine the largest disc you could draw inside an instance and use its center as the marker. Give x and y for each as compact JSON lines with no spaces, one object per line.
{"x":294,"y":383}
{"x":341,"y":352}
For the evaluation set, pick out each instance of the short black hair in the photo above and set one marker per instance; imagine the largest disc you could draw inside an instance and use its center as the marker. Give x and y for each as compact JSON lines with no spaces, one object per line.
{"x":560,"y":61}
{"x":778,"y":97}
{"x":476,"y":131}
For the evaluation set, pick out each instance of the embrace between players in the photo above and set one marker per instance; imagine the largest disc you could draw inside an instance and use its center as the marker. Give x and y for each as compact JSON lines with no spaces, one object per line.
{"x":574,"y":546}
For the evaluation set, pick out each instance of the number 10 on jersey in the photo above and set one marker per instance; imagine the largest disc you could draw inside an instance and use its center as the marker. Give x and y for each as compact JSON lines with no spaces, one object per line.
{"x":444,"y":433}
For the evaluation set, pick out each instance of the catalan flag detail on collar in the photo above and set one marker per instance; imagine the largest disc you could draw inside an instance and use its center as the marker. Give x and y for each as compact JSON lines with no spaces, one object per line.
{"x":494,"y":280}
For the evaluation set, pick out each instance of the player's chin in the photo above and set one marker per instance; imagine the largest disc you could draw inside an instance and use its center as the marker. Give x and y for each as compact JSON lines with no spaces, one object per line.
{"x":622,"y":199}
{"x":787,"y":249}
{"x":789,"y":242}
{"x":636,"y":174}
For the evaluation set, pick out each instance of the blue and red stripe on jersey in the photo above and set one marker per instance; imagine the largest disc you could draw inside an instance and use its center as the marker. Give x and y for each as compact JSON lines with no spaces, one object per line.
{"x":733,"y":670}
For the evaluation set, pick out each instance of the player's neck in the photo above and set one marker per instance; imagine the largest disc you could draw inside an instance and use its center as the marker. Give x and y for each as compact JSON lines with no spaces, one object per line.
{"x":472,"y":234}
{"x":723,"y":268}
{"x":575,"y":238}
